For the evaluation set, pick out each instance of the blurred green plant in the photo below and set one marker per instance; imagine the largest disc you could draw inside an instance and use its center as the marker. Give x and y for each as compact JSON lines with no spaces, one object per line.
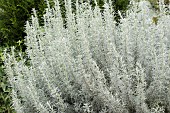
{"x":5,"y":99}
{"x":155,"y":3}
{"x":13,"y":15}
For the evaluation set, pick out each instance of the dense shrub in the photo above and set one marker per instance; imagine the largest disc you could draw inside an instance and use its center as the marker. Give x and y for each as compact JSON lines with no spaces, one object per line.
{"x":92,"y":65}
{"x":13,"y":14}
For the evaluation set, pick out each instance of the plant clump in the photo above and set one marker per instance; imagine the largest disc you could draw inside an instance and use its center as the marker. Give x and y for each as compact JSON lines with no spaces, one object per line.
{"x":91,"y":65}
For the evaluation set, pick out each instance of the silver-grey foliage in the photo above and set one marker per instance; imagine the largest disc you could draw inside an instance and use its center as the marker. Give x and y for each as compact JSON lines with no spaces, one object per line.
{"x":91,"y":65}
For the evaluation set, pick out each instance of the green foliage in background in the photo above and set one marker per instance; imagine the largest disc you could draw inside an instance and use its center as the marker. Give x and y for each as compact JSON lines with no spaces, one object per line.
{"x":155,"y":3}
{"x":13,"y":15}
{"x":5,"y":99}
